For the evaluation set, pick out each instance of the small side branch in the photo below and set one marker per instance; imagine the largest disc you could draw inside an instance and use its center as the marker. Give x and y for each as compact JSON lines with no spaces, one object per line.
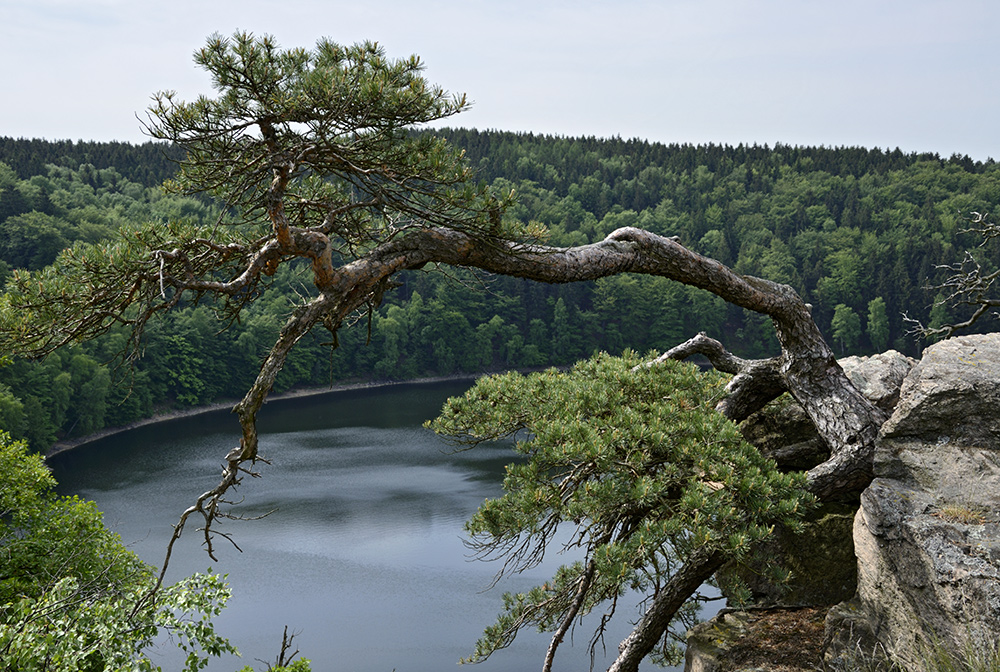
{"x":208,"y":506}
{"x":968,"y":284}
{"x":720,"y":358}
{"x":284,"y":657}
{"x":585,"y":582}
{"x":755,"y":384}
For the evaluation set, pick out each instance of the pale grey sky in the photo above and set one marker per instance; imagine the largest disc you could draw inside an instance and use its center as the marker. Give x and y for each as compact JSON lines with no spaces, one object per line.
{"x":921,"y":75}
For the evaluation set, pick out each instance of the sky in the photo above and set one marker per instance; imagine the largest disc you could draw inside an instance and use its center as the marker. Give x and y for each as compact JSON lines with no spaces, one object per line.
{"x":920,"y":75}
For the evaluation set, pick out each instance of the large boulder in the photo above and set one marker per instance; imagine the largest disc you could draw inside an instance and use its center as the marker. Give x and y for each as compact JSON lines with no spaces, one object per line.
{"x":927,"y":535}
{"x":879,"y":377}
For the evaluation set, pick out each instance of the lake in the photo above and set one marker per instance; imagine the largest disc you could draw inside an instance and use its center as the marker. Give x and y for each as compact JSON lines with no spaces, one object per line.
{"x":363,"y":555}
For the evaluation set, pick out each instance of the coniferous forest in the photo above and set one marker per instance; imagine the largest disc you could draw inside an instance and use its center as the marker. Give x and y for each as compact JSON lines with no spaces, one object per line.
{"x":864,"y":235}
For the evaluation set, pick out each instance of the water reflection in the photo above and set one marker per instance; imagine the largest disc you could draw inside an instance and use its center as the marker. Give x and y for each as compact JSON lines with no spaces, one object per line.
{"x":363,"y":554}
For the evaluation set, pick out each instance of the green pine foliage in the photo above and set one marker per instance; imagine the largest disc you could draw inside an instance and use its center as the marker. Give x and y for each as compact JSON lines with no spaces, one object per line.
{"x":629,"y":464}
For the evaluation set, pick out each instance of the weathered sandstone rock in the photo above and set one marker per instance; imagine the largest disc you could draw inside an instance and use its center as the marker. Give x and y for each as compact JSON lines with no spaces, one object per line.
{"x":927,"y":536}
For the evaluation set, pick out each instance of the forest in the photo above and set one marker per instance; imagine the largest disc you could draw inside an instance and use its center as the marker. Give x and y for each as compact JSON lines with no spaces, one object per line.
{"x":864,"y":235}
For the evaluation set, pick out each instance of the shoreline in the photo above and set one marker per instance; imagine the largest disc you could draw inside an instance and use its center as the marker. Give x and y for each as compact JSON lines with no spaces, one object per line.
{"x":70,"y":444}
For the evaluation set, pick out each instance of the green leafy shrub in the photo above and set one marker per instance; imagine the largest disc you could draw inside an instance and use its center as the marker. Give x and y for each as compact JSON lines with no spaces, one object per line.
{"x":73,"y":597}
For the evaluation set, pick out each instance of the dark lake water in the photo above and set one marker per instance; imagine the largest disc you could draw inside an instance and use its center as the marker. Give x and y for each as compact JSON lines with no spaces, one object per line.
{"x":363,"y":555}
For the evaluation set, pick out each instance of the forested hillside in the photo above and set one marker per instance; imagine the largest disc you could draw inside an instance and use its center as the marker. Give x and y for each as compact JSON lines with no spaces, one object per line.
{"x":148,"y":164}
{"x":861,"y":234}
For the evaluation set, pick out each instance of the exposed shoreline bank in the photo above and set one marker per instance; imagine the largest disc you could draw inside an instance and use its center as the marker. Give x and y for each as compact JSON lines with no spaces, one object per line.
{"x":63,"y":446}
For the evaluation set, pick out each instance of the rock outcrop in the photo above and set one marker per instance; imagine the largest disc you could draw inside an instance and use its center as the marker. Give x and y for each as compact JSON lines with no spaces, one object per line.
{"x":756,"y":641}
{"x":822,"y":559}
{"x":927,"y":535}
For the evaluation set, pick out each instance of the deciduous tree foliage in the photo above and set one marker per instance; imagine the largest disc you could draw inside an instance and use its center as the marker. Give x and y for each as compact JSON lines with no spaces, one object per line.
{"x":846,"y":327}
{"x":783,"y":213}
{"x":878,"y":324}
{"x":73,"y":598}
{"x":312,"y":156}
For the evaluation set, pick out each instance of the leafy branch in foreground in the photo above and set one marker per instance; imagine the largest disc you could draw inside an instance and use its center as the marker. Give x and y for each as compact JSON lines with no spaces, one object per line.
{"x":73,"y":598}
{"x":658,"y":488}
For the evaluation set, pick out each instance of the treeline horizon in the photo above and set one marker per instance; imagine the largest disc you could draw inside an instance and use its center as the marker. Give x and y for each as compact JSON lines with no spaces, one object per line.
{"x":862,"y":234}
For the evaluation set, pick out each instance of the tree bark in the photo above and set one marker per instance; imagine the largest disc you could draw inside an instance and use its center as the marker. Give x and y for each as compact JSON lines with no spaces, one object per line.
{"x":654,"y":623}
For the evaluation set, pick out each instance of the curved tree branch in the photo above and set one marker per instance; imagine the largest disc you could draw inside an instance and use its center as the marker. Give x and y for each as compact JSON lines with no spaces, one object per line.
{"x":807,"y":368}
{"x":756,"y":383}
{"x":846,"y":420}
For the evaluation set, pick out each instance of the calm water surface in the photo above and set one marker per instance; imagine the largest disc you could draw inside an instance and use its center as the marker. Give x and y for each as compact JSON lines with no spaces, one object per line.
{"x":363,"y":554}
